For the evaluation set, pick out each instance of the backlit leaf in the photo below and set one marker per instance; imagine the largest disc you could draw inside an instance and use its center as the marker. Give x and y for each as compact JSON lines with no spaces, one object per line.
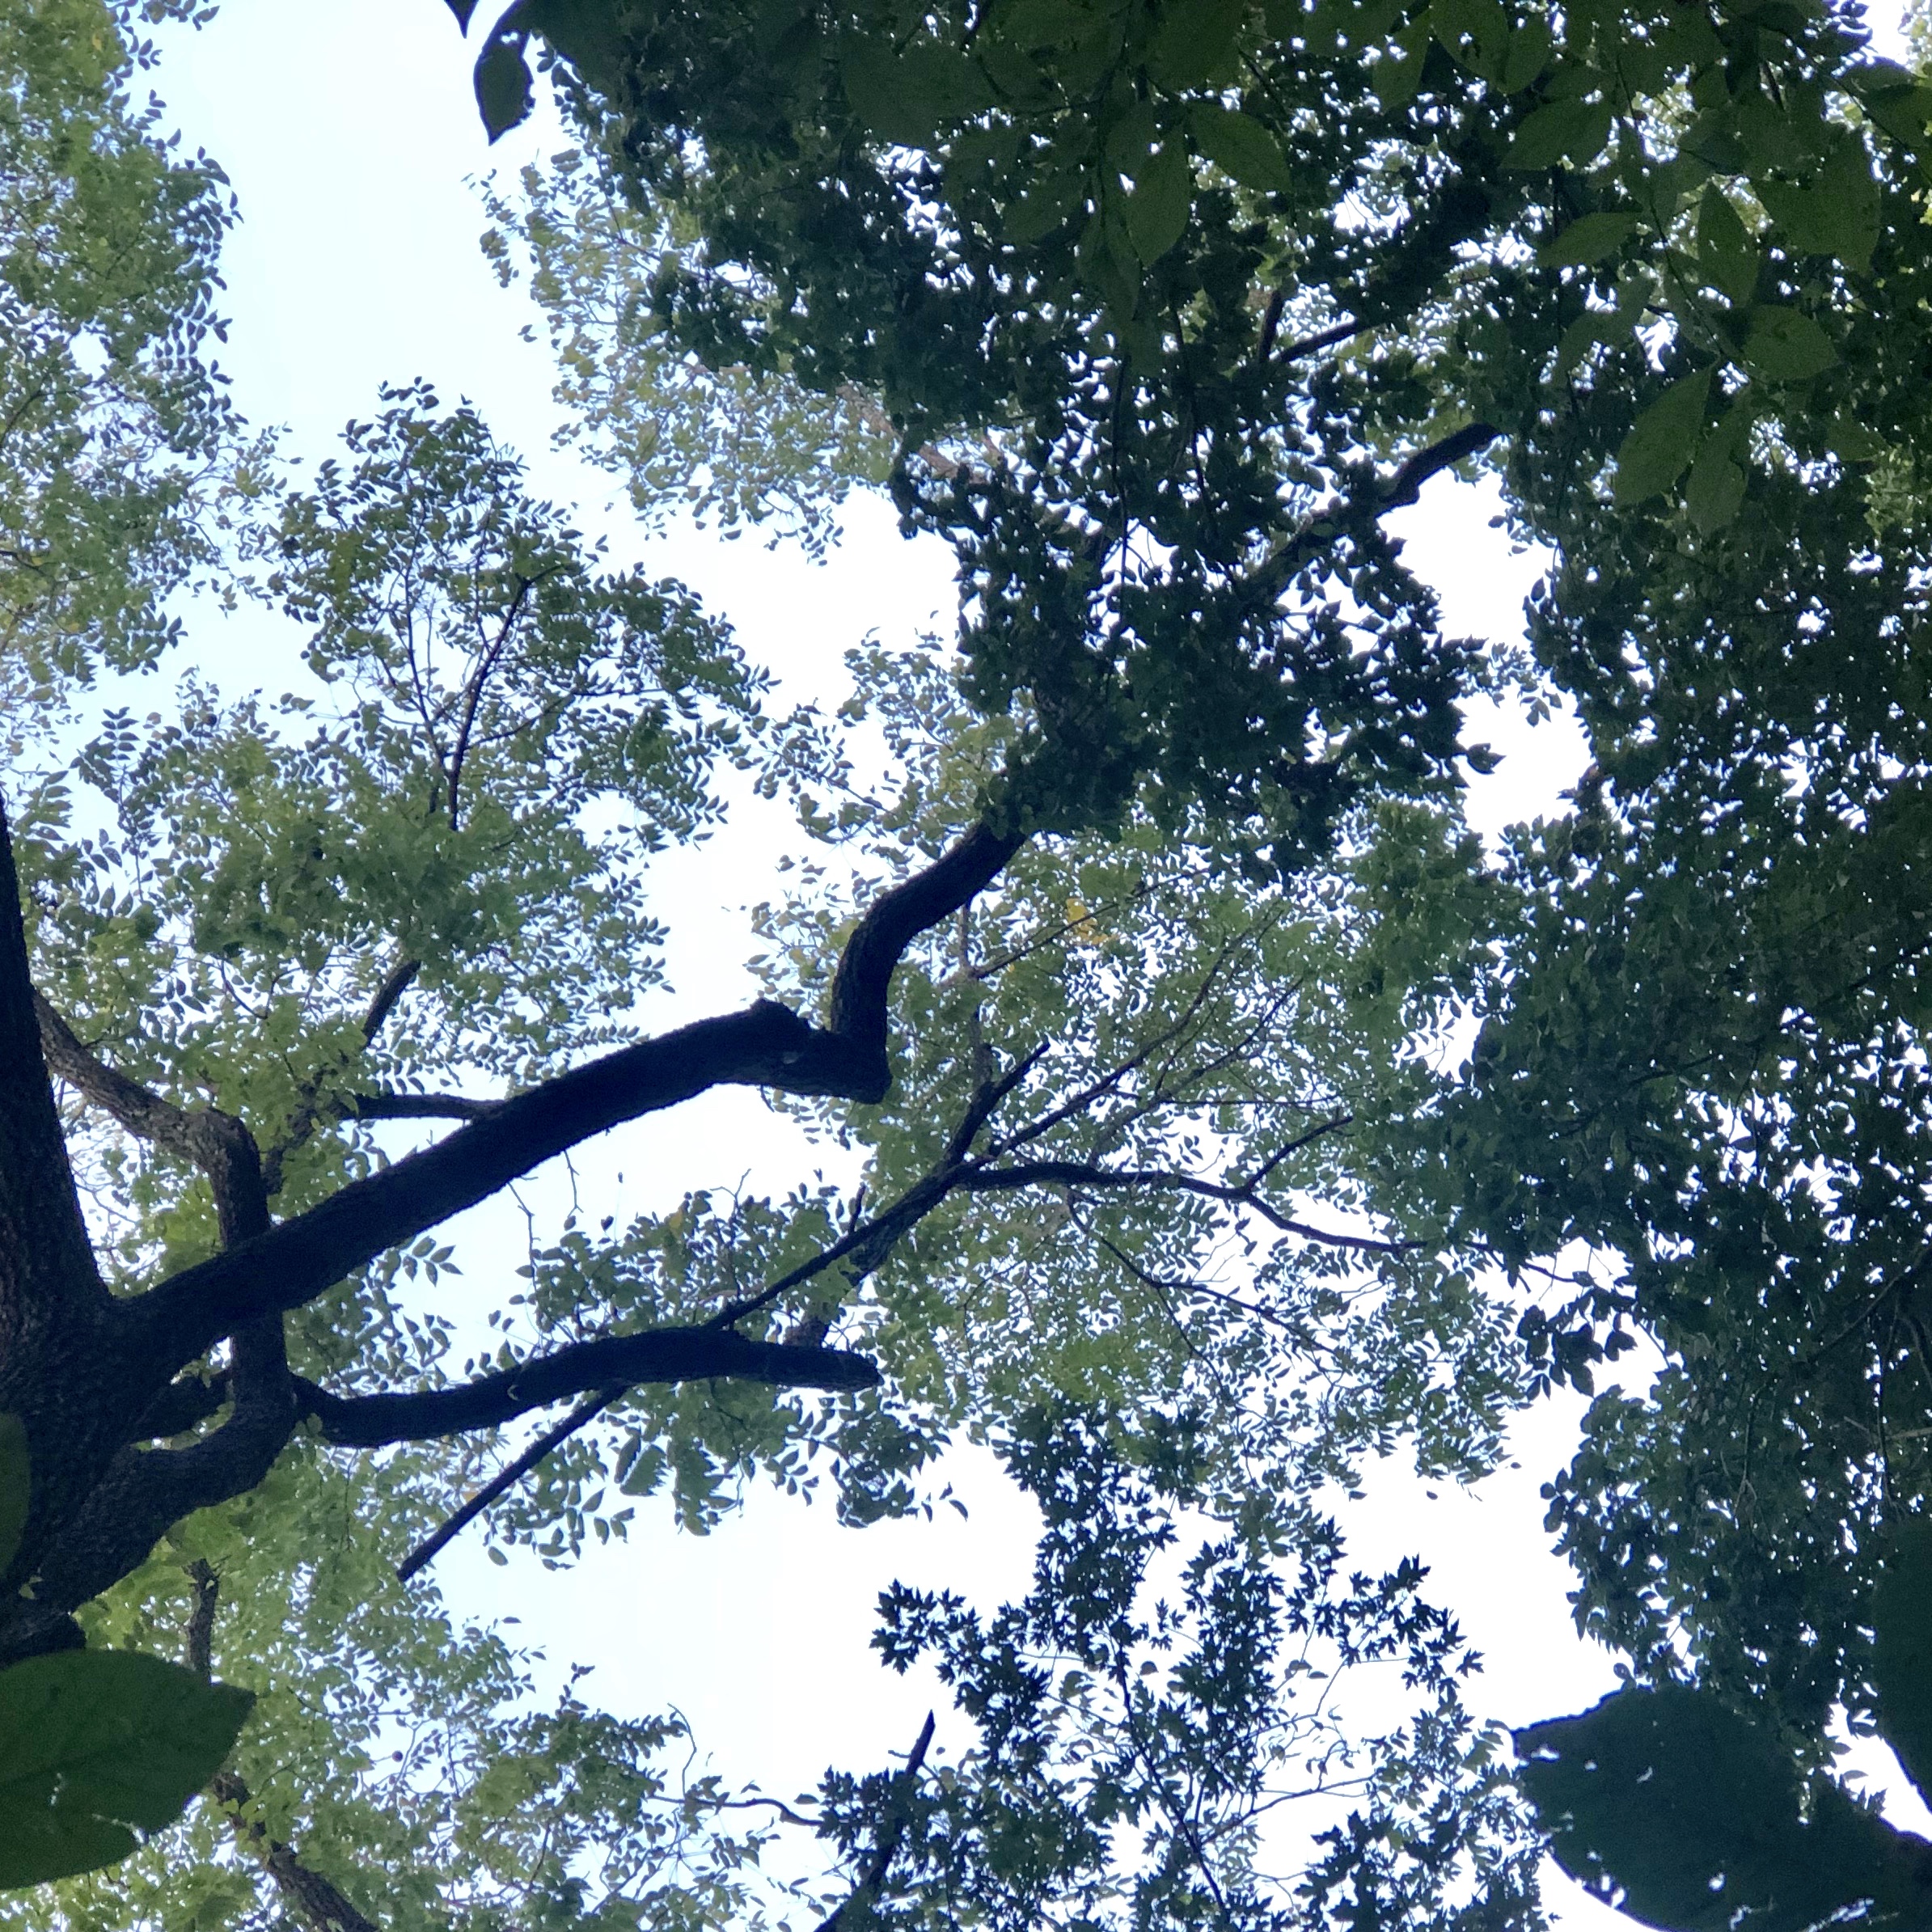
{"x":505,"y":91}
{"x":1158,"y":208}
{"x":1787,"y":345}
{"x":1239,"y":144}
{"x":97,"y":1745}
{"x":1587,"y":240}
{"x":1697,"y":1819}
{"x":1662,"y":440}
{"x":1565,"y":130}
{"x":1726,"y":252}
{"x":1836,"y":213}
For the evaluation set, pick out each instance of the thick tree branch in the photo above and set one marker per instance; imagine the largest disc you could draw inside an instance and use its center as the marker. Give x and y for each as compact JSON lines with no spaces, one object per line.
{"x":856,"y":1009}
{"x":399,"y":980}
{"x":662,"y":1354}
{"x":216,"y":1142}
{"x":1326,"y":338}
{"x":47,"y":1267}
{"x":766,"y":1045}
{"x":420,"y":1106}
{"x":187,"y":1402}
{"x":145,"y":1492}
{"x":1407,"y":487}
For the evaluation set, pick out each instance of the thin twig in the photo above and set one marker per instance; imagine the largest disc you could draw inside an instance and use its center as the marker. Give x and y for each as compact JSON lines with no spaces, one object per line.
{"x":427,"y":1551}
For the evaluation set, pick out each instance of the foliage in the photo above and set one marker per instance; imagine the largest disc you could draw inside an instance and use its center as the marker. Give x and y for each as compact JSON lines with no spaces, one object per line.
{"x":1697,"y":1107}
{"x":1667,"y":1802}
{"x":118,"y":440}
{"x":94,"y":1742}
{"x":1114,"y":1171}
{"x":733,"y":445}
{"x":1183,"y":1725}
{"x":1138,"y":1004}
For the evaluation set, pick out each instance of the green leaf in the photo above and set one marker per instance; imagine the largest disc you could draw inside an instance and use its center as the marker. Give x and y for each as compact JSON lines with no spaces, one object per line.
{"x":909,"y":97}
{"x":1714,"y":492}
{"x":1851,"y":440}
{"x":1051,"y":199}
{"x":1900,"y":105}
{"x":1787,"y":345}
{"x":1162,"y":200}
{"x":1475,"y":32}
{"x":1239,"y":144}
{"x":1128,"y":141}
{"x":14,"y":1474}
{"x":1588,"y":239}
{"x":1901,"y":1658}
{"x":505,"y":91}
{"x":1396,"y":76}
{"x":1727,"y":253}
{"x":1836,"y":213}
{"x":885,"y":94}
{"x":95,"y":1745}
{"x":1525,"y":53}
{"x":1661,"y":439}
{"x":1195,"y":42}
{"x":1695,"y":1815}
{"x":586,"y":33}
{"x":1565,"y":130}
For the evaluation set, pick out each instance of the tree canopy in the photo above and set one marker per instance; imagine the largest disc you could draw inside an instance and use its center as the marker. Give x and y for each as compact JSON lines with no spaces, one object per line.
{"x":1137,"y":977}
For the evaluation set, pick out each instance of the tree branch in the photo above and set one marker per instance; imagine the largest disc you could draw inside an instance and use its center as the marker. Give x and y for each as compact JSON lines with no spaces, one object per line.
{"x":1079,"y":1174}
{"x":216,"y":1142}
{"x":857,"y":1008}
{"x":315,"y":1899}
{"x":420,"y":1106}
{"x":397,"y":981}
{"x":660,"y":1355}
{"x":1407,"y":487}
{"x":767,"y":1046}
{"x":856,"y":1907}
{"x":189,"y":1400}
{"x":1327,"y":338}
{"x":506,"y":1479}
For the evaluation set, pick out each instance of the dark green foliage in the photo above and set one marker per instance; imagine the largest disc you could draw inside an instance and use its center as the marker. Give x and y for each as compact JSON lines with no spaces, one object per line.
{"x":1178,"y":1726}
{"x":1686,"y":1814}
{"x":94,"y":1742}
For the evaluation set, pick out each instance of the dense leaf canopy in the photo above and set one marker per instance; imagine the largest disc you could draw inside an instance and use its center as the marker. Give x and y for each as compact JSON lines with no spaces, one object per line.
{"x":1136,"y":972}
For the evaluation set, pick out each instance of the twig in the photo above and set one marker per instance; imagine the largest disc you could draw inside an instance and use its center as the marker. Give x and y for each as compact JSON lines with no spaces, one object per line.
{"x":426,"y":1552}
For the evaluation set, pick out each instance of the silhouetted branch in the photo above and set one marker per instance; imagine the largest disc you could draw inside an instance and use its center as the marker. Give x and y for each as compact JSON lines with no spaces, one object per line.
{"x":856,"y":1902}
{"x":768,"y":1045}
{"x":420,"y":1106}
{"x":216,"y":1142}
{"x":1082,"y":1174}
{"x":660,"y":1355}
{"x":503,"y":1481}
{"x":1407,"y":487}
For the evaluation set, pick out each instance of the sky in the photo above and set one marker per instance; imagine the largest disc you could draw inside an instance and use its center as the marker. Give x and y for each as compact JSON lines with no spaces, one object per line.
{"x":351,"y":138}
